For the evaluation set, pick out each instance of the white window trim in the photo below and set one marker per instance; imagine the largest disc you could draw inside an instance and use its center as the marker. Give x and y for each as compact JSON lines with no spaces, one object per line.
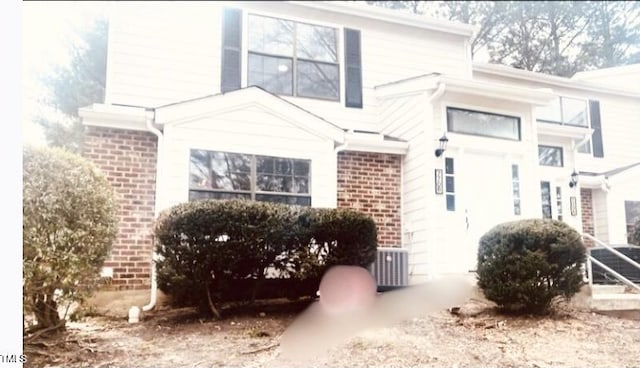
{"x":244,"y":77}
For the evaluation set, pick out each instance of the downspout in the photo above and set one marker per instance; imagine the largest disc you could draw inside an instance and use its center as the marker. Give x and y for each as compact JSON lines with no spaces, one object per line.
{"x":149,"y":120}
{"x":439,"y":92}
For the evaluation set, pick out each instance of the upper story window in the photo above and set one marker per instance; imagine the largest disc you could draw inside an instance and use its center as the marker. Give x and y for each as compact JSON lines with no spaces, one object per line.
{"x":292,"y":58}
{"x":483,"y":124}
{"x":225,"y":175}
{"x":566,"y":111}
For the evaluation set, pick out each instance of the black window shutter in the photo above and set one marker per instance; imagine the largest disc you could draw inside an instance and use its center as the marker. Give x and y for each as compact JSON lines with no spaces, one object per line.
{"x":596,"y":138}
{"x":231,"y":48}
{"x":353,"y":68}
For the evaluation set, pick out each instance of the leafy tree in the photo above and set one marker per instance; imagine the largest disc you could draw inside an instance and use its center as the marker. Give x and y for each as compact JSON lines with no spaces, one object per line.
{"x":69,"y":225}
{"x":553,"y":37}
{"x":79,"y":84}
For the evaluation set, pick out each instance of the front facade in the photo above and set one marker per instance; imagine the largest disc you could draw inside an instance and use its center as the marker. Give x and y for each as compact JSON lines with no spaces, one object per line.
{"x":344,"y":105}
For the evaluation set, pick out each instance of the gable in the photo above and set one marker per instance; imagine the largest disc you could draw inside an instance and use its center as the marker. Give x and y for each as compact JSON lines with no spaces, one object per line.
{"x":251,"y":109}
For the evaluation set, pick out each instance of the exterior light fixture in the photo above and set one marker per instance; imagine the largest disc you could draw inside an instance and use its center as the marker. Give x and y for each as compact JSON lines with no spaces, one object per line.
{"x":443,"y":145}
{"x":574,"y":179}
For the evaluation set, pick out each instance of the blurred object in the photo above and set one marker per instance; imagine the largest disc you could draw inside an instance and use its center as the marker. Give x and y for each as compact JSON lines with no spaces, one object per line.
{"x":348,"y":305}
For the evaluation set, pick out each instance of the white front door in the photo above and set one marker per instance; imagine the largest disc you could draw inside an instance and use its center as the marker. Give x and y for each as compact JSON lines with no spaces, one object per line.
{"x":484,"y":198}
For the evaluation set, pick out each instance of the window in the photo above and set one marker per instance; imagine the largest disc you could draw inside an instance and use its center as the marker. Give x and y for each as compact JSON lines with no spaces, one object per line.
{"x":483,"y":124}
{"x":559,"y":203}
{"x":545,"y":192}
{"x":632,"y":213}
{"x":224,"y":175}
{"x":550,"y":156}
{"x":566,"y":111}
{"x":292,"y":58}
{"x":449,"y":184}
{"x":515,"y":181}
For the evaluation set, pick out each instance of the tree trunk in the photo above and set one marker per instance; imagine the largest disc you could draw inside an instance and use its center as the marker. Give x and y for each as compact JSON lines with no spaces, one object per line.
{"x":46,"y":311}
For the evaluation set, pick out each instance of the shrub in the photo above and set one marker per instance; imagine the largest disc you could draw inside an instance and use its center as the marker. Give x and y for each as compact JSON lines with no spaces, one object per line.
{"x":213,"y":251}
{"x":524,"y":265}
{"x":69,"y":225}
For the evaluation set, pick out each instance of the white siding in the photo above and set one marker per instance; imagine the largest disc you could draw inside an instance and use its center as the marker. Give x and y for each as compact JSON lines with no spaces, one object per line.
{"x":251,"y":131}
{"x":407,"y":118}
{"x":170,"y":52}
{"x":600,"y":217}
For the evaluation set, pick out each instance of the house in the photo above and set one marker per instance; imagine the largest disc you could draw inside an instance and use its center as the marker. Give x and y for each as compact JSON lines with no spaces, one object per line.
{"x":332,"y":104}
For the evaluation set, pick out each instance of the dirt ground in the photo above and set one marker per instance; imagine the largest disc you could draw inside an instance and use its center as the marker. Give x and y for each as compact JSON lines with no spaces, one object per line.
{"x":475,"y":337}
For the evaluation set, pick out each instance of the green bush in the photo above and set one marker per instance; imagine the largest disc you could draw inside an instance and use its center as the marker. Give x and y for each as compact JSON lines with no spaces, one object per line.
{"x":214,"y":251}
{"x":524,"y":265}
{"x":69,"y":225}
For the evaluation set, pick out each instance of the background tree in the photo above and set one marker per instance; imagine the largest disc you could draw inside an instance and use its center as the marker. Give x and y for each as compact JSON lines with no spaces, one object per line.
{"x":553,"y":37}
{"x":79,"y":84}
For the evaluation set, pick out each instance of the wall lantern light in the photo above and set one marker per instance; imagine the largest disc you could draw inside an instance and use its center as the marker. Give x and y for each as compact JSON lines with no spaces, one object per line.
{"x":574,"y":179}
{"x":443,"y":145}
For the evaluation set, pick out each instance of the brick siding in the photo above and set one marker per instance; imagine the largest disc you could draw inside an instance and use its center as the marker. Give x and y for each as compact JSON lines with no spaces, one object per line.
{"x":370,"y":183}
{"x":128,"y":159}
{"x":586,"y":205}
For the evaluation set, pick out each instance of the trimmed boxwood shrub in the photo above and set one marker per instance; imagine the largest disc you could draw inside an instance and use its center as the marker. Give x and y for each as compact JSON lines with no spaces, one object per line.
{"x":524,"y":265}
{"x":215,"y":251}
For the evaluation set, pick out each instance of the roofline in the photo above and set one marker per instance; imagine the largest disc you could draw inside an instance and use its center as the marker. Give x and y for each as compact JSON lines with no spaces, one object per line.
{"x":623,"y":69}
{"x":426,"y":82}
{"x":391,"y":16}
{"x":508,"y":71}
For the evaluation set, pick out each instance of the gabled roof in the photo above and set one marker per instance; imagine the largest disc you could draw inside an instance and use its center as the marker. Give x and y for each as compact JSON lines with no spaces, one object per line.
{"x":361,"y":9}
{"x":192,"y":109}
{"x":612,"y":172}
{"x":507,"y":71}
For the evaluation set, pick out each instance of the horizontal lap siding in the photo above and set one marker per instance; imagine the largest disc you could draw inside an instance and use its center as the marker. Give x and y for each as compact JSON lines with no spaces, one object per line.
{"x":155,"y":57}
{"x":128,"y":159}
{"x":249,"y":131}
{"x":405,"y":117}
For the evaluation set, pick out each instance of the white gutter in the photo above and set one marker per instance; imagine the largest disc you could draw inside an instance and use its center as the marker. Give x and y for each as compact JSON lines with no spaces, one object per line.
{"x":150,"y":117}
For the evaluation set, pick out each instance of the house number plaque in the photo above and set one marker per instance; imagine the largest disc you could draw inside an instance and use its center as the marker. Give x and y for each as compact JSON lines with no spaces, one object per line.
{"x":438,"y":177}
{"x":574,"y":206}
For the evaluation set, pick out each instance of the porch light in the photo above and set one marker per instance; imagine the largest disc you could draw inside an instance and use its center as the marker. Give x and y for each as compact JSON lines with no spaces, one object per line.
{"x":574,"y":179}
{"x":443,"y":145}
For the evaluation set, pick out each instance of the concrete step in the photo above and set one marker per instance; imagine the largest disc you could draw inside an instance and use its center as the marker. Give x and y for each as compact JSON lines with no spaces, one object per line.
{"x":607,"y":289}
{"x":615,"y":302}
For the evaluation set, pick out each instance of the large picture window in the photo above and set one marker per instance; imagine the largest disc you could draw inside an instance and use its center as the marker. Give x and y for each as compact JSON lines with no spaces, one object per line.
{"x":292,"y":58}
{"x":225,"y":175}
{"x":483,"y":124}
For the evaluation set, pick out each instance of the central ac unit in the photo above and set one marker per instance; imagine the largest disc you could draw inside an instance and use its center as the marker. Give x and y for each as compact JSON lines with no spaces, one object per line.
{"x":391,"y":268}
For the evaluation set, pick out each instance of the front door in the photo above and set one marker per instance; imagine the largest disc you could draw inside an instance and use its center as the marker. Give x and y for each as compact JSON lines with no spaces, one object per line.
{"x":485,"y":199}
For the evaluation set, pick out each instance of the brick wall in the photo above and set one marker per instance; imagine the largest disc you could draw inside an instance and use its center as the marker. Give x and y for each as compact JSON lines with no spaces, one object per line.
{"x":586,"y":205}
{"x":128,"y":159}
{"x":370,"y":183}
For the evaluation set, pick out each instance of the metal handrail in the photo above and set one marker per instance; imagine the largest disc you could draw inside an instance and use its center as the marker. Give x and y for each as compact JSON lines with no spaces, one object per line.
{"x":591,"y":259}
{"x":614,"y":273}
{"x":612,"y":250}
